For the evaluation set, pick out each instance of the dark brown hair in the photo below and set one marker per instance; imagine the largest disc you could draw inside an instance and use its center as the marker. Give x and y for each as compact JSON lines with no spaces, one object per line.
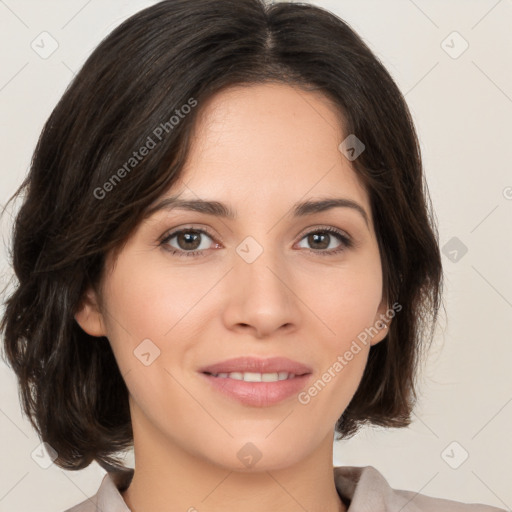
{"x":75,"y":210}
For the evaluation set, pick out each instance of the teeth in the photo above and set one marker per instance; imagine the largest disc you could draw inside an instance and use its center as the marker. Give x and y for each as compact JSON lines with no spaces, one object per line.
{"x":256,"y":377}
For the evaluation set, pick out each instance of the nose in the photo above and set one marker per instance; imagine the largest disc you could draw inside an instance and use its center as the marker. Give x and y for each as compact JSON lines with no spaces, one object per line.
{"x":260,"y":297}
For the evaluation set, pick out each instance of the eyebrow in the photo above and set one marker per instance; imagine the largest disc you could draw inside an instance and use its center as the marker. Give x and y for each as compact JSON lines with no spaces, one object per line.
{"x":222,"y":210}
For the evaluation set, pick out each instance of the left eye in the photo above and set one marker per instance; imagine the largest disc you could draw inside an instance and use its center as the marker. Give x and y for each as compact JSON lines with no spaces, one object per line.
{"x":190,"y":242}
{"x":319,"y":238}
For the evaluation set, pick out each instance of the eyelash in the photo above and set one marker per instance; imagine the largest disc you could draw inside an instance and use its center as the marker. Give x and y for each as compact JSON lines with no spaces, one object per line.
{"x":346,"y":242}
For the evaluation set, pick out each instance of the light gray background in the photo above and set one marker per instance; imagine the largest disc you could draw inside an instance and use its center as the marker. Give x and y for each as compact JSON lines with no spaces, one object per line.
{"x":462,"y":108}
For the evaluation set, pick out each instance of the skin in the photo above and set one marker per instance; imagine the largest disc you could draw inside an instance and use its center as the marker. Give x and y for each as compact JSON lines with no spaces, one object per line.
{"x":259,"y":149}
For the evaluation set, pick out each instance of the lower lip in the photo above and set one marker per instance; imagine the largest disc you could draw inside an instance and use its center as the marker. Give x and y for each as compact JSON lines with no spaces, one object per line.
{"x":258,"y":394}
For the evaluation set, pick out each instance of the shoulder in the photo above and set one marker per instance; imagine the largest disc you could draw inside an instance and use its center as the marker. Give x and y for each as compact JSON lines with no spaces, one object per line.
{"x":108,"y":497}
{"x":89,"y":505}
{"x":429,"y":503}
{"x":365,"y":488}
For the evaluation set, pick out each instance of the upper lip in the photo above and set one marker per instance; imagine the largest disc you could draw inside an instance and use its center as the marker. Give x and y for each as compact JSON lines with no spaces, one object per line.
{"x":258,"y":365}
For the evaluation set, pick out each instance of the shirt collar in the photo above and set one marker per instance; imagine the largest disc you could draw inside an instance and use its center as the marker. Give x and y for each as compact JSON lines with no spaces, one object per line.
{"x":362,"y":489}
{"x":109,"y":494}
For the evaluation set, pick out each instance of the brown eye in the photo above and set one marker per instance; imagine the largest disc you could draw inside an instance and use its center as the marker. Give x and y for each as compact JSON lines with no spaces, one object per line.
{"x":320,"y":240}
{"x":188,"y":242}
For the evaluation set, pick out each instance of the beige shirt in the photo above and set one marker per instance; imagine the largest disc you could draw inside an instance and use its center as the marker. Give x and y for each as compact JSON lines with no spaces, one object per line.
{"x":362,"y":489}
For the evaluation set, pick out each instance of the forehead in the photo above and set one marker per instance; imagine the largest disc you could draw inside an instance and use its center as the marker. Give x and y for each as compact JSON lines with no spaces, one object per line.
{"x":268,"y":142}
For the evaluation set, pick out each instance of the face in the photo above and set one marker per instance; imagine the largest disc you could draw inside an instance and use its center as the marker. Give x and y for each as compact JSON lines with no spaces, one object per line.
{"x":191,"y":288}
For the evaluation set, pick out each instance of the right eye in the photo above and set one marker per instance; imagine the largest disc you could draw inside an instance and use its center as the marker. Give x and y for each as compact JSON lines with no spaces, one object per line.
{"x":189,"y":241}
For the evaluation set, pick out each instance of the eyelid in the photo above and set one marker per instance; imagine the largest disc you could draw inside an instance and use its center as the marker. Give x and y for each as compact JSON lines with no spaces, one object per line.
{"x":207,"y":230}
{"x":189,"y":227}
{"x":326,"y":227}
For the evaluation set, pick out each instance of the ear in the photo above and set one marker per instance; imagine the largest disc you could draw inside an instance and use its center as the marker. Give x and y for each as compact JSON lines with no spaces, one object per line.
{"x":89,"y":316}
{"x":380,"y":323}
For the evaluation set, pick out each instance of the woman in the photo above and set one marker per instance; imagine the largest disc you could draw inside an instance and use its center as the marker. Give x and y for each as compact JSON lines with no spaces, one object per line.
{"x":270,"y":140}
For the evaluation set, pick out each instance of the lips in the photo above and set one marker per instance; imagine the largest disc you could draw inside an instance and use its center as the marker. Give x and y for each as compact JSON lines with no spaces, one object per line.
{"x":257,"y":365}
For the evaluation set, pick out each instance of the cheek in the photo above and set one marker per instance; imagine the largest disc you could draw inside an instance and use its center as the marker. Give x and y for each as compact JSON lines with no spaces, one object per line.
{"x":149,"y":300}
{"x":347,"y":302}
{"x":348,"y":311}
{"x":160,"y":303}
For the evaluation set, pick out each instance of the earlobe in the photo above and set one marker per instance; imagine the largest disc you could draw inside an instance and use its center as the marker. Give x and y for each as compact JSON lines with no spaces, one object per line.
{"x":88,"y":315}
{"x":381,"y":323}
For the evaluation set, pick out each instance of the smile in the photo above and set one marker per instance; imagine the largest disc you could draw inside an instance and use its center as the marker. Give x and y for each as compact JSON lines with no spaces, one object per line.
{"x":255,"y":376}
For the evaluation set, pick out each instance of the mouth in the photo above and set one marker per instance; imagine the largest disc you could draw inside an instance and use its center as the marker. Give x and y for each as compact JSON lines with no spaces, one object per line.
{"x":257,"y":389}
{"x":255,"y":381}
{"x":256,"y":376}
{"x":252,"y":367}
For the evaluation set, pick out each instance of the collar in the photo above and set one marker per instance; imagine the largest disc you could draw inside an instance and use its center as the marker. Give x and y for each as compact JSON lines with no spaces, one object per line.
{"x":362,"y":489}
